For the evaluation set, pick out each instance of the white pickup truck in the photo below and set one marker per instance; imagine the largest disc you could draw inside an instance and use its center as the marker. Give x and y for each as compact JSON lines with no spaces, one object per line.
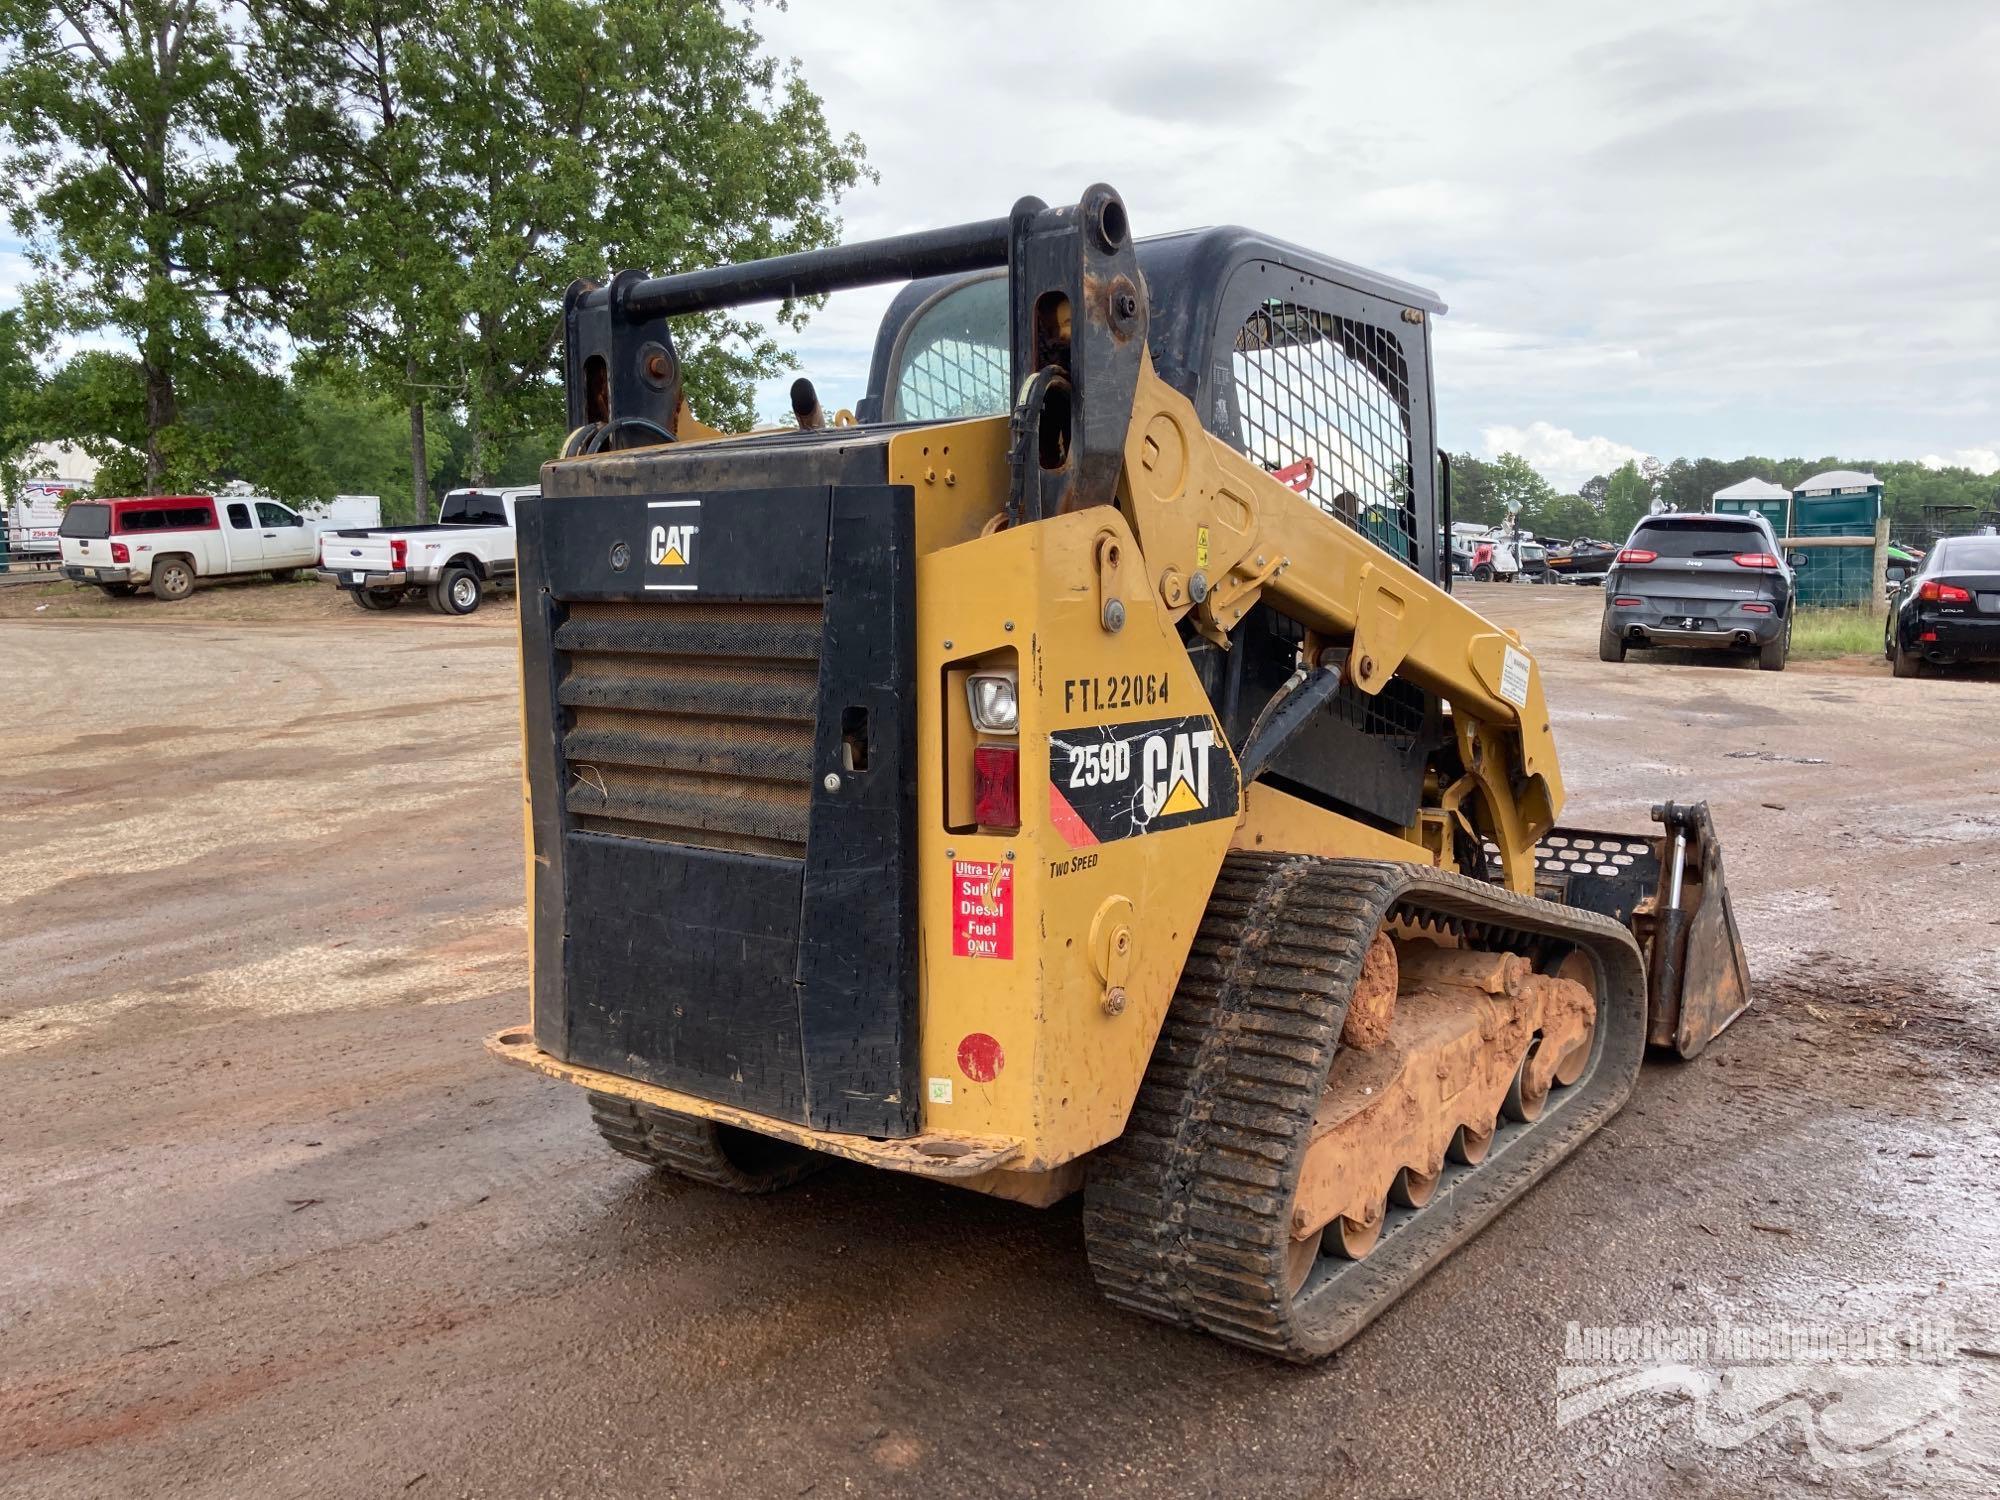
{"x":448,"y":563}
{"x":166,"y":542}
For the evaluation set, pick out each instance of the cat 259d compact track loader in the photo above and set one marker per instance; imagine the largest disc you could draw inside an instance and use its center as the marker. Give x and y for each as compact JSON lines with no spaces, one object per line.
{"x":1076,"y":773}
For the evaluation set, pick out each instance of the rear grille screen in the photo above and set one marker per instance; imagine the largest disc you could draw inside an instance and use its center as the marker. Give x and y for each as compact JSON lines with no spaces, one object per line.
{"x":691,"y":723}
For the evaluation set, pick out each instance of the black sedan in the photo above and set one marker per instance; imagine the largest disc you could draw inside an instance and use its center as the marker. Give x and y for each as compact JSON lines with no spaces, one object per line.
{"x":1713,"y":582}
{"x":1948,"y":611}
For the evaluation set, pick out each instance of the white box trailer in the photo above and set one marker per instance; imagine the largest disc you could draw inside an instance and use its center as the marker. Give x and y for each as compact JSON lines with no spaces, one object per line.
{"x":33,"y":517}
{"x":34,"y":507}
{"x":343,"y":513}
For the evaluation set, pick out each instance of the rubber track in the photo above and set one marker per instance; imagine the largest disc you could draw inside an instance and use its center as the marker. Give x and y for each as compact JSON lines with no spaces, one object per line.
{"x":695,"y":1148}
{"x":1187,"y":1214}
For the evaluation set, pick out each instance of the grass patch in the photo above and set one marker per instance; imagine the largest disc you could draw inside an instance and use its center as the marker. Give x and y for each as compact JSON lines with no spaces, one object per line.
{"x":1821,"y":633}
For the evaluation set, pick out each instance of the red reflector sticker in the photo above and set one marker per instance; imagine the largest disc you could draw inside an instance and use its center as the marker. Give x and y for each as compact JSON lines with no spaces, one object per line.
{"x":982,"y":909}
{"x":980,"y":1058}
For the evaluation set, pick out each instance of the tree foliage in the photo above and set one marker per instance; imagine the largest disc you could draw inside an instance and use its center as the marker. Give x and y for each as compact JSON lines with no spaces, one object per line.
{"x":462,"y":162}
{"x":19,"y":383}
{"x":390,"y":196}
{"x":123,"y":123}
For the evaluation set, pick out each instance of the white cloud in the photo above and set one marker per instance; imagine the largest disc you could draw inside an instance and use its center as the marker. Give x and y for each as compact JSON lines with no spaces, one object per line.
{"x":1979,"y":460}
{"x":1640,"y":225}
{"x":1563,"y":458}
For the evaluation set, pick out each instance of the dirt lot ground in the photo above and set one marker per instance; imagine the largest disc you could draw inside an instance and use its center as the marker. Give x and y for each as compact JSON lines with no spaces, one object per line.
{"x":271,"y":1223}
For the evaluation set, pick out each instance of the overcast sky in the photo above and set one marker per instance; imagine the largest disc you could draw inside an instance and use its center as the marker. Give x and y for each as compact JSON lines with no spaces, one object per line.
{"x":1671,"y":229}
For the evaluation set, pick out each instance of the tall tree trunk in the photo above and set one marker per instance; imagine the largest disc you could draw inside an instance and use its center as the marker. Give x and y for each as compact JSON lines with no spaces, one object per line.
{"x":475,"y":463}
{"x":420,"y":464}
{"x":161,"y":410}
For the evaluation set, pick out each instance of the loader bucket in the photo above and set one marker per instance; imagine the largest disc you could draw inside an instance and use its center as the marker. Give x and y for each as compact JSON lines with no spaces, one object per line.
{"x":1669,"y":889}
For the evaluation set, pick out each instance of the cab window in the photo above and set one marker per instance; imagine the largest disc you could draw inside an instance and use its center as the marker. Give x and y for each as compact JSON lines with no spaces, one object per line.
{"x":953,"y":359}
{"x":473,"y":508}
{"x":239,"y":515}
{"x":272,"y":514}
{"x":1324,"y":403}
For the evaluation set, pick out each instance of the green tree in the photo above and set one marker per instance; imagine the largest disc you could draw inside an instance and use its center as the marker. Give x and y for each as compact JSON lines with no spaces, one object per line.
{"x":1473,"y":495}
{"x":1517,"y":485}
{"x":464,"y":162}
{"x":122,"y":121}
{"x":1563,"y":517}
{"x":19,"y":385}
{"x":1628,"y":496}
{"x":233,"y":421}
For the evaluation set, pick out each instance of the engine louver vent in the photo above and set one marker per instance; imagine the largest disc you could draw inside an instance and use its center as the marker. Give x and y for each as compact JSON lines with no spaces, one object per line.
{"x":691,"y":723}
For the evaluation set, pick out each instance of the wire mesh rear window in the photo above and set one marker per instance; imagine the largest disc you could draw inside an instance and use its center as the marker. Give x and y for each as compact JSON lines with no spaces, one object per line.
{"x":955,"y":359}
{"x":1325,"y":401}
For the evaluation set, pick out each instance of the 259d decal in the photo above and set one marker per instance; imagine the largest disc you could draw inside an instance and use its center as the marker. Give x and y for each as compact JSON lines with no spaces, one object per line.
{"x":1116,"y":781}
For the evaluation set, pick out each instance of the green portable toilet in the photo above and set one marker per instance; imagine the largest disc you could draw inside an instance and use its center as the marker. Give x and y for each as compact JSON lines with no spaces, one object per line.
{"x":1840,"y":502}
{"x":1755,"y":497}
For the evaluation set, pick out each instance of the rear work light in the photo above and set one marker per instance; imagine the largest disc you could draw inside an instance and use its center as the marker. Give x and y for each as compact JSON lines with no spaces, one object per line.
{"x":1637,"y":555}
{"x":1626,"y":601}
{"x":994,"y":701}
{"x":120,"y":552}
{"x":996,"y":786}
{"x":1755,"y":560}
{"x":1757,"y":609}
{"x":1943,"y":593}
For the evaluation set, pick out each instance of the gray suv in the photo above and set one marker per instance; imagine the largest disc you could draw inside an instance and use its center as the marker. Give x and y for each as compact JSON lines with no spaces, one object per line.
{"x":1718,"y":582}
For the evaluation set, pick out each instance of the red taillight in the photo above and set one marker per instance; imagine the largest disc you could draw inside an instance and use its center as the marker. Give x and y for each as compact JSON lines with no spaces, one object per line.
{"x":399,"y":552}
{"x":120,"y":552}
{"x":1636,"y":555}
{"x":1757,"y":609}
{"x":1624,"y":602}
{"x":1929,"y":637}
{"x":996,"y":786}
{"x":1943,"y":593}
{"x":1755,"y":560}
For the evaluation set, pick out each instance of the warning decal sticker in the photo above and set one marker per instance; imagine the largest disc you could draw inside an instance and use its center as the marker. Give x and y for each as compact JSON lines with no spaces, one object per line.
{"x":1514,"y":677}
{"x":982,"y":909}
{"x":1116,"y":781}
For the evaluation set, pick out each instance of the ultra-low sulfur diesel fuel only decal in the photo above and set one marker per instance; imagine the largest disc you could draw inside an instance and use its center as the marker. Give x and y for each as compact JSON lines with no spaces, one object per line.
{"x":1116,"y":781}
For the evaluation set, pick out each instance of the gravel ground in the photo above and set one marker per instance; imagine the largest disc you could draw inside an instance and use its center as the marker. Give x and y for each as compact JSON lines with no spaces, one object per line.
{"x":271,"y":1223}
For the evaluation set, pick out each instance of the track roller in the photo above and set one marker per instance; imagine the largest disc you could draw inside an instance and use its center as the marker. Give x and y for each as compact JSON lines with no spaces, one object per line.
{"x":719,"y":1156}
{"x":1204,"y":1213}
